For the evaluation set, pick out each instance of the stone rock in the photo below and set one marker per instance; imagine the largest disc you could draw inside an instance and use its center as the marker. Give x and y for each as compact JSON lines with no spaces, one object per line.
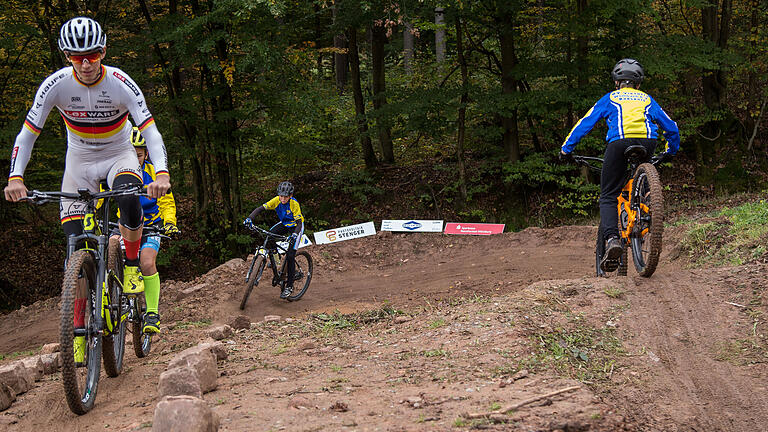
{"x":339,"y":406}
{"x":240,"y":322}
{"x":182,"y":380}
{"x":17,"y":377}
{"x":306,"y":346}
{"x":232,"y":265}
{"x":51,"y":362}
{"x":184,"y":414}
{"x":384,"y":234}
{"x":300,"y":402}
{"x":192,"y":289}
{"x":50,"y":348}
{"x":402,"y":319}
{"x":218,"y":348}
{"x":220,"y":332}
{"x":7,"y":397}
{"x":203,"y":361}
{"x":271,"y":318}
{"x":35,"y":365}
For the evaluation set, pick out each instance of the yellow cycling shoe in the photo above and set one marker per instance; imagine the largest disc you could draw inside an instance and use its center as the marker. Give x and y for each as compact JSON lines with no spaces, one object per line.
{"x":79,"y":344}
{"x":132,"y":280}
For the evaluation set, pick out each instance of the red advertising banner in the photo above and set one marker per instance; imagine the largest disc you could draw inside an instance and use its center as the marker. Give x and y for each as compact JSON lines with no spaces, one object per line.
{"x":473,"y":228}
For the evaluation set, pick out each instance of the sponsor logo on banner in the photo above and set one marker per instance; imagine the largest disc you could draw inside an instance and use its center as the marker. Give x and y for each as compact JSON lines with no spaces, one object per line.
{"x":345,"y":233}
{"x":412,"y":225}
{"x":473,"y":228}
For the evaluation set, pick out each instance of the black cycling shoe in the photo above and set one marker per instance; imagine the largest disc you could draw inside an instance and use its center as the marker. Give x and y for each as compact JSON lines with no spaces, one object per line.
{"x":286,"y":292}
{"x":151,"y":323}
{"x":613,"y":251}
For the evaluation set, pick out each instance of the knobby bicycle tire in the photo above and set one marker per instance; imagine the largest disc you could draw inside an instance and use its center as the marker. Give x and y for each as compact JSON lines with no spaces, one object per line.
{"x":599,"y":251}
{"x":114,"y":343}
{"x":646,"y":248}
{"x":303,"y":272}
{"x":142,"y":342}
{"x":80,"y":398}
{"x":258,"y":267}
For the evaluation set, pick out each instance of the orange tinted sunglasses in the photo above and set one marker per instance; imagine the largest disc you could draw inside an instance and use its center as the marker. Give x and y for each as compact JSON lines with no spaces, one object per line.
{"x":92,"y":57}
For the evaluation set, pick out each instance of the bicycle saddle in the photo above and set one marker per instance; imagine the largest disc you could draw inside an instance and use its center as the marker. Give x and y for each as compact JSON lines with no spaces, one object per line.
{"x":636,"y":152}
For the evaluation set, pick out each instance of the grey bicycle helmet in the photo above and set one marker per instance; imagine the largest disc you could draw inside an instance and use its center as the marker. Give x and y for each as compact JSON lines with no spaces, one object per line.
{"x":628,"y":70}
{"x":285,"y":189}
{"x":80,"y":35}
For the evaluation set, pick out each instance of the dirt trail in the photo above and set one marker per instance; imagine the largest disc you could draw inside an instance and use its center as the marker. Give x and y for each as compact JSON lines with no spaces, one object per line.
{"x":688,"y":364}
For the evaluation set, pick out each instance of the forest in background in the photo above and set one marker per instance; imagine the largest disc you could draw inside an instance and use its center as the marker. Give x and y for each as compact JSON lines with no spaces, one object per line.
{"x":453,"y":107}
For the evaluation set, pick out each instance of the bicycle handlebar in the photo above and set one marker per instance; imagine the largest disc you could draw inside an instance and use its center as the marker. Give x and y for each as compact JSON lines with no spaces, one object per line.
{"x":268,"y":233}
{"x":85,"y":195}
{"x":586,"y":161}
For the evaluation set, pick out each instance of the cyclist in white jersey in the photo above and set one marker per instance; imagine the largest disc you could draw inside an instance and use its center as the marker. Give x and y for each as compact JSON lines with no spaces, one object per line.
{"x":94,"y":100}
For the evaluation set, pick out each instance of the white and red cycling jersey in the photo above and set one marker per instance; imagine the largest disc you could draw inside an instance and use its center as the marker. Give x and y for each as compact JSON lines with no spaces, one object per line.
{"x":96,"y":117}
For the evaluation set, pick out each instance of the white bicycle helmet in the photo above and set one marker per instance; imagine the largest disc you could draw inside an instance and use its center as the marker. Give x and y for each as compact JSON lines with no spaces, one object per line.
{"x":81,"y":34}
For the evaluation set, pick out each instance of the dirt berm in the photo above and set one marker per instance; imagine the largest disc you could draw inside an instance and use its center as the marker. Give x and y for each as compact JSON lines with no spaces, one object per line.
{"x":414,"y":332}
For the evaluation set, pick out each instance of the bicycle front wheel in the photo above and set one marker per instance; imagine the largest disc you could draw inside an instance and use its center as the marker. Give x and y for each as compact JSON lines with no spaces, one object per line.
{"x":117,"y":310}
{"x":302,"y":276}
{"x":257,"y":267}
{"x":648,"y":203}
{"x":80,"y":370}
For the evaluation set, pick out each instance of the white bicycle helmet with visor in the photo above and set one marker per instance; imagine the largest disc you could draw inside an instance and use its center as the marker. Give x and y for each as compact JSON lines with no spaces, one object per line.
{"x":81,"y":35}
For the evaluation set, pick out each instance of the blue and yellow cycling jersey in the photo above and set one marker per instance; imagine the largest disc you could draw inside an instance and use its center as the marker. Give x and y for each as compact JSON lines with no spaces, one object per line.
{"x":629,"y":113}
{"x":161,"y":210}
{"x":289,"y":213}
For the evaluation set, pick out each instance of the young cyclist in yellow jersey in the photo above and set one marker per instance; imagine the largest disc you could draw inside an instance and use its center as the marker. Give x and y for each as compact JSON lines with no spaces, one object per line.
{"x":161,"y":211}
{"x":291,"y":221}
{"x":632,"y":117}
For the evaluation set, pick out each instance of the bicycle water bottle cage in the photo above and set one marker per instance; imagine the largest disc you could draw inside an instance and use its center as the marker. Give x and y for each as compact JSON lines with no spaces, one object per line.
{"x":636,"y":154}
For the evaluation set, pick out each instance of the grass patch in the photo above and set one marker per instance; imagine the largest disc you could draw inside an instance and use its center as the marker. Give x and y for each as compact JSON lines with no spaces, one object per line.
{"x":17,"y":354}
{"x":435,"y":353}
{"x":437,"y":323}
{"x":191,"y":324}
{"x":583,"y":353}
{"x":614,"y":292}
{"x":729,"y":236}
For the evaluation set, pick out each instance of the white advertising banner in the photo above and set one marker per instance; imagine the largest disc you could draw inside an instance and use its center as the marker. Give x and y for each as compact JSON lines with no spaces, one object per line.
{"x":305,"y":241}
{"x":411,"y":225}
{"x":345,"y":233}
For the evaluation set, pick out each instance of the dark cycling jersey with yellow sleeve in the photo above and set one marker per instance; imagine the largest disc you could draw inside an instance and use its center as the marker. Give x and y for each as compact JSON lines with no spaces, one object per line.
{"x":629,"y":113}
{"x":289,"y":213}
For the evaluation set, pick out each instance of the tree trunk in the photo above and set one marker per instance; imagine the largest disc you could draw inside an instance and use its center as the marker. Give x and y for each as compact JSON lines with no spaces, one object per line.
{"x":440,"y":35}
{"x":582,"y":44}
{"x":511,"y":139}
{"x":462,"y":110}
{"x":408,"y":48}
{"x":714,"y":84}
{"x":378,"y":42}
{"x":340,"y":56}
{"x":362,"y":123}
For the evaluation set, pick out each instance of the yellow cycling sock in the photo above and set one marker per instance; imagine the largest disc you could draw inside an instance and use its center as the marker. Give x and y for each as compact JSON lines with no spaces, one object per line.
{"x":152,"y":292}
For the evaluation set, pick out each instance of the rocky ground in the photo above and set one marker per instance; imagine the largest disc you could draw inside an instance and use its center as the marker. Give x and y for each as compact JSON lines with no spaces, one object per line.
{"x":433,"y":332}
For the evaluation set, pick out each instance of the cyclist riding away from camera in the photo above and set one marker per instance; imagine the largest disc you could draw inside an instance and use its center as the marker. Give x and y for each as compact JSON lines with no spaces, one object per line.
{"x":291,"y":219}
{"x":94,"y":100}
{"x":632,"y":117}
{"x":158,"y":212}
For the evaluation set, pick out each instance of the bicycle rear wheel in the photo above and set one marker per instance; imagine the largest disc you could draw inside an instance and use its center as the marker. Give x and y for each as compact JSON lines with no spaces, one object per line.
{"x":303,"y":275}
{"x":142,"y":342}
{"x":648,"y":203}
{"x":257,"y":267}
{"x":80,"y":381}
{"x":599,"y":252}
{"x":114,"y":343}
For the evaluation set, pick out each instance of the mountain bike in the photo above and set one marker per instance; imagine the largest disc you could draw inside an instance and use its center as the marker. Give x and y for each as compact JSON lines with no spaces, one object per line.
{"x":92,"y":268}
{"x":272,"y":254}
{"x":641,"y":212}
{"x":133,"y":305}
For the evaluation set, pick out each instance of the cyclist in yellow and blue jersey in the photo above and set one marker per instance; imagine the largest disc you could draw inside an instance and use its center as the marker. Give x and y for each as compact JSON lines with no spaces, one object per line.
{"x":291,"y":221}
{"x":633,"y":118}
{"x":158,"y":212}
